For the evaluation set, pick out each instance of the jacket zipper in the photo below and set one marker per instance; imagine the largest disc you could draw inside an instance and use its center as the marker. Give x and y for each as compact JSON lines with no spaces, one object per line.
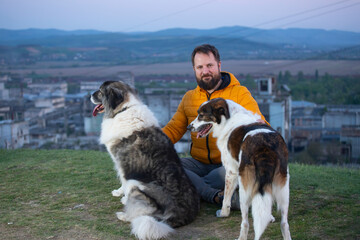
{"x":207,"y":137}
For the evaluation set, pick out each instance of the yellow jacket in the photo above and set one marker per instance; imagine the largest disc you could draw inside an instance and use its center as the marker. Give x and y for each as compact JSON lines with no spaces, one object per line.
{"x":205,"y":149}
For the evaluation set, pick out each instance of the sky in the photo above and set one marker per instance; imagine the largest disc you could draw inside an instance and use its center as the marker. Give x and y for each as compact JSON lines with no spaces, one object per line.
{"x":154,"y":15}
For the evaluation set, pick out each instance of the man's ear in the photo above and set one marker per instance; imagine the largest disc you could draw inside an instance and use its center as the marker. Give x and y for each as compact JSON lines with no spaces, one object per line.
{"x":115,"y":97}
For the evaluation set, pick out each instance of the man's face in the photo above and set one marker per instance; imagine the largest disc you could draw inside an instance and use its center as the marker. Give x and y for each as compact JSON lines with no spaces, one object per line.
{"x":207,"y":70}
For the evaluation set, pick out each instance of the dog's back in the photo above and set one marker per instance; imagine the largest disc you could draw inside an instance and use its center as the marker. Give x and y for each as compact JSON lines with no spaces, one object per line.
{"x":149,"y":157}
{"x":263,"y":152}
{"x":263,"y":157}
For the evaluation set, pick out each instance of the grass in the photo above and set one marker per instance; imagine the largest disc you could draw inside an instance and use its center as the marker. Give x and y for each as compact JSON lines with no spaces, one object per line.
{"x":65,"y":194}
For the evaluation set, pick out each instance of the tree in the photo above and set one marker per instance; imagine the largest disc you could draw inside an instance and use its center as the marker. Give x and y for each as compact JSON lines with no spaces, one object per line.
{"x":287,"y":76}
{"x":300,"y":76}
{"x":280,"y":76}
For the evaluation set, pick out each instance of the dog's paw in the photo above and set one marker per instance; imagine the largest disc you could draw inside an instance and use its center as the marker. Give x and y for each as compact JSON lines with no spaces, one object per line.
{"x":117,"y":192}
{"x":272,"y":219}
{"x":121,"y":216}
{"x":220,"y":214}
{"x":124,"y":200}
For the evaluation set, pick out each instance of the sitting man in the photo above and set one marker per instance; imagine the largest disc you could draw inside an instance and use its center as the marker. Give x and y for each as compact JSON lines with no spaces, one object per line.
{"x":204,"y":167}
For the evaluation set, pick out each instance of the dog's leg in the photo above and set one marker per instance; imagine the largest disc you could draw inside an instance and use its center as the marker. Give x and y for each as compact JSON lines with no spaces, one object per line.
{"x":244,"y":207}
{"x":230,"y":185}
{"x":118,"y":192}
{"x":122,"y":216}
{"x":130,"y":190}
{"x":121,"y":191}
{"x":282,"y":200}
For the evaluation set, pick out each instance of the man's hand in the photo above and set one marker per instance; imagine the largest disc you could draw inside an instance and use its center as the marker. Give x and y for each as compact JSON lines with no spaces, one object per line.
{"x":260,"y":121}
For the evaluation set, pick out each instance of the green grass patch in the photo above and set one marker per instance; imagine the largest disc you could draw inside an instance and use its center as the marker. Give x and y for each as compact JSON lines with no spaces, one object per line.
{"x":66,"y":194}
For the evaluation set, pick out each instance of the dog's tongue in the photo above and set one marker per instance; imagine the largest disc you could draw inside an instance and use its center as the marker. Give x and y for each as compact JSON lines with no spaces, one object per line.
{"x":203,"y":131}
{"x":97,"y":109}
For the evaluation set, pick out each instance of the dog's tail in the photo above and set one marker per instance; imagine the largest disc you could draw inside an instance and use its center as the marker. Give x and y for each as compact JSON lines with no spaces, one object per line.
{"x":261,"y":212}
{"x":147,"y":227}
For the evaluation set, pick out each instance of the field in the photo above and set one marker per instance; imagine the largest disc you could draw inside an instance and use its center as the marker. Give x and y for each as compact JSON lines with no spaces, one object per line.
{"x":253,"y":67}
{"x":65,"y":194}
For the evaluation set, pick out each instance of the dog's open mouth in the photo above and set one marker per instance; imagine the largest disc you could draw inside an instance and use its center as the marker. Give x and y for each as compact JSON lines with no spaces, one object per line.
{"x":98,"y":109}
{"x":204,"y":130}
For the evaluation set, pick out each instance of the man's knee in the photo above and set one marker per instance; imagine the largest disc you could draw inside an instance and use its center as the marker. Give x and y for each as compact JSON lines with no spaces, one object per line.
{"x":216,"y":178}
{"x":187,"y":163}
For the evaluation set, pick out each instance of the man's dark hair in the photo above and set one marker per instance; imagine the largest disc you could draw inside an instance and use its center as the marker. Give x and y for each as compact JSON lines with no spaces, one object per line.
{"x":206,"y":48}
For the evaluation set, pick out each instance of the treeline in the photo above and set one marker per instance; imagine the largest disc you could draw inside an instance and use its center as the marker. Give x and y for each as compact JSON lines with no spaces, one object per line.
{"x":325,"y":89}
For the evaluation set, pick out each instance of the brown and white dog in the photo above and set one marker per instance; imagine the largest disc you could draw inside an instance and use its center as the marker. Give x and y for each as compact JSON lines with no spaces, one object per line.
{"x":254,"y":153}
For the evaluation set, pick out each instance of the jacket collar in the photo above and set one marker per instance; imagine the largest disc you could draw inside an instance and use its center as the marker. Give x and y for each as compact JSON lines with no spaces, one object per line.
{"x":228,"y":79}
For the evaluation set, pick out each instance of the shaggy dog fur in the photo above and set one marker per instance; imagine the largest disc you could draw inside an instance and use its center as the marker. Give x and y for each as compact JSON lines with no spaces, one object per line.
{"x":158,"y":195}
{"x":254,"y":153}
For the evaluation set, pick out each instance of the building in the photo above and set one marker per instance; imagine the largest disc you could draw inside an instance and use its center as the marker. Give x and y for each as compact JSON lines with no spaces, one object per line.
{"x":4,"y":93}
{"x":91,"y":86}
{"x":350,"y":142}
{"x":275,"y":104}
{"x":326,"y":124}
{"x":164,"y":107}
{"x":58,"y":89}
{"x":51,"y":103}
{"x":307,"y":125}
{"x":13,"y":134}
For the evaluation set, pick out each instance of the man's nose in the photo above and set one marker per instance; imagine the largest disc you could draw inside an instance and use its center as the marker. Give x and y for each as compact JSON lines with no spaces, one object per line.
{"x":206,"y":70}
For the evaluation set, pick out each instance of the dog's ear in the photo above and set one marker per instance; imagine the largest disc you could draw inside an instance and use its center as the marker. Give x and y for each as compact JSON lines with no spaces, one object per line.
{"x":221,"y":109}
{"x":115,"y":97}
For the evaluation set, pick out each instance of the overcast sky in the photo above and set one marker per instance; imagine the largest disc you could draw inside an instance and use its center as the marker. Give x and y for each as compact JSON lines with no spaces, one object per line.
{"x":152,"y":15}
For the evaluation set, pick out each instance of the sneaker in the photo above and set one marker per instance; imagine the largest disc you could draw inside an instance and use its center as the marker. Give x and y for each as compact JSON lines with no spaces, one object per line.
{"x":235,"y":201}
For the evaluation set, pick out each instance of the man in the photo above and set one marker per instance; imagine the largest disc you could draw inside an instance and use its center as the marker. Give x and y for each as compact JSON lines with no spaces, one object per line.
{"x":204,"y":168}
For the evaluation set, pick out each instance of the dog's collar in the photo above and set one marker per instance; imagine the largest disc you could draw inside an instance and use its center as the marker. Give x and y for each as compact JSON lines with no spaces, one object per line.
{"x":122,"y":110}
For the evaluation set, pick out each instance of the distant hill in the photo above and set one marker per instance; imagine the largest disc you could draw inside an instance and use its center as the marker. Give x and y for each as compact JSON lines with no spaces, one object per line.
{"x":294,"y":36}
{"x":28,"y":35}
{"x":172,"y":45}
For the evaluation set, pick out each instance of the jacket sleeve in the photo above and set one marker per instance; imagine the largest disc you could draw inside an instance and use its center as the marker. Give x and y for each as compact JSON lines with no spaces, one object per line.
{"x":176,"y":127}
{"x":247,"y":101}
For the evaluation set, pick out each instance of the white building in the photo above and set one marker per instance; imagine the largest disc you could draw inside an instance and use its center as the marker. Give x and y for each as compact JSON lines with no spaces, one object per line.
{"x":13,"y":134}
{"x":52,"y":103}
{"x":275,"y":105}
{"x":40,"y":88}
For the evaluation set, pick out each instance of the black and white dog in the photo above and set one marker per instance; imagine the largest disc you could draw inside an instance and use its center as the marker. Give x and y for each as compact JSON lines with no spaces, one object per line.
{"x":254,"y":153}
{"x":158,"y":196}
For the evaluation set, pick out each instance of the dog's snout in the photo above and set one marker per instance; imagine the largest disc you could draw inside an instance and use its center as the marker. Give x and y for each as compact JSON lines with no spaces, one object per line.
{"x":190,"y":127}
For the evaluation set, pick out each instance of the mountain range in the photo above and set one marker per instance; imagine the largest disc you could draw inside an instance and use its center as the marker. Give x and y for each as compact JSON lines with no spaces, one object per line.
{"x":176,"y":44}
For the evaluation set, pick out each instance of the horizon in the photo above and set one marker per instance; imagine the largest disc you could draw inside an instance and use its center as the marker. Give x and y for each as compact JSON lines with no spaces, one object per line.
{"x":173,"y":28}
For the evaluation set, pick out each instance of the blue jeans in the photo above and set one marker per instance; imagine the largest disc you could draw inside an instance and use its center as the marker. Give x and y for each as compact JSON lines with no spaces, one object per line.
{"x":208,"y":179}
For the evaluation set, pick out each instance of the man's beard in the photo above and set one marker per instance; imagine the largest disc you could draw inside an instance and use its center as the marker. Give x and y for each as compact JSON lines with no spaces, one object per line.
{"x":209,"y":84}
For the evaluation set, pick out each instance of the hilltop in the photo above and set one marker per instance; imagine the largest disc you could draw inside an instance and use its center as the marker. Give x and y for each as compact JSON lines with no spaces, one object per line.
{"x":66,"y":194}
